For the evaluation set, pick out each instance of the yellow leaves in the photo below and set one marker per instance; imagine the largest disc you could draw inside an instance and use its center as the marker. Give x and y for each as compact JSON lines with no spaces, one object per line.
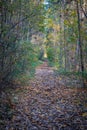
{"x":46,"y":93}
{"x":36,"y":91}
{"x":58,"y":108}
{"x":66,"y":22}
{"x":60,"y":78}
{"x":84,"y":114}
{"x":50,"y":35}
{"x":13,"y":118}
{"x":49,"y":10}
{"x":49,"y":23}
{"x":73,"y":49}
{"x":56,"y":27}
{"x":85,"y":105}
{"x":73,"y":13}
{"x":53,"y":37}
{"x":77,"y":101}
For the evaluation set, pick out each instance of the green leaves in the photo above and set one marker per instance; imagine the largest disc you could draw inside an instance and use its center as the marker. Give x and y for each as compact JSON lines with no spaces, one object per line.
{"x":27,"y":59}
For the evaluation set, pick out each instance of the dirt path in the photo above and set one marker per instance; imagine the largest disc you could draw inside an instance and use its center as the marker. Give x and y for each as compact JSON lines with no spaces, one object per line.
{"x":47,"y":105}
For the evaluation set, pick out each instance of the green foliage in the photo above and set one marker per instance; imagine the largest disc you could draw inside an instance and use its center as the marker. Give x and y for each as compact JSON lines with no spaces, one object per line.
{"x":41,"y":54}
{"x":51,"y":54}
{"x":68,"y":73}
{"x":27,"y":60}
{"x":18,"y":20}
{"x":54,"y":25}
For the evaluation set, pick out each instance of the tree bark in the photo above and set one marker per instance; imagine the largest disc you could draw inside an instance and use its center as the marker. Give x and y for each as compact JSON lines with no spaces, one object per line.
{"x":80,"y":43}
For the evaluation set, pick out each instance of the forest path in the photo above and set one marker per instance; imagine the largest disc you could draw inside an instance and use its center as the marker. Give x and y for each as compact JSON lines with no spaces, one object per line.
{"x":47,"y":105}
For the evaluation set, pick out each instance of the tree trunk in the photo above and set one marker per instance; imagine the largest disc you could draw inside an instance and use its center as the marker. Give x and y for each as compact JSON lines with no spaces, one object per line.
{"x":80,"y":43}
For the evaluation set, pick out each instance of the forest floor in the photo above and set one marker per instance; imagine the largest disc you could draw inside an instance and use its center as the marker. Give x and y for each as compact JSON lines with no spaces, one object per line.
{"x":45,"y":104}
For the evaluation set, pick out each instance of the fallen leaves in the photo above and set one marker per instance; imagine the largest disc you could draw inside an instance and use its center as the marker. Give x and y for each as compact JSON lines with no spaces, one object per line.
{"x":84,"y":114}
{"x":45,"y":105}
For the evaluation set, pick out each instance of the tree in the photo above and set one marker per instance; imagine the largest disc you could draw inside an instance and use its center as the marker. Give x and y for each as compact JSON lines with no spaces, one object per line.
{"x":17,"y":22}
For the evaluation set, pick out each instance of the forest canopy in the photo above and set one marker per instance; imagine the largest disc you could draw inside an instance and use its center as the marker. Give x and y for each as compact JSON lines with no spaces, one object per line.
{"x":35,"y":30}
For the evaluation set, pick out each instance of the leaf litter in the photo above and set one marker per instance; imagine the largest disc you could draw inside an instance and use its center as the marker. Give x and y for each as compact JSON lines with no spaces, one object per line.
{"x":44,"y":105}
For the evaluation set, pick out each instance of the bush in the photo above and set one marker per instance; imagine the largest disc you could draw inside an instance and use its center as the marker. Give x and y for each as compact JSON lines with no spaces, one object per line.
{"x":26,"y":61}
{"x":51,"y":54}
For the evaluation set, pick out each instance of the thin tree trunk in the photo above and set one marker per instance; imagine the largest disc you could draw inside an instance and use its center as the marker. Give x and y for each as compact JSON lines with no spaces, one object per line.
{"x":80,"y":44}
{"x":1,"y":37}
